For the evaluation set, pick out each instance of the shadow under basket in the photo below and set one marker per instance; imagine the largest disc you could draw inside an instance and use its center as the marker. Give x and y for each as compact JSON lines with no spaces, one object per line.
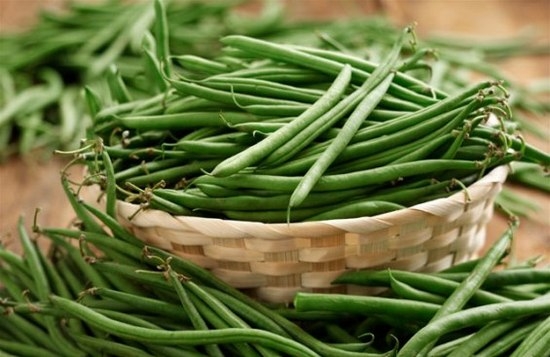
{"x":274,"y":261}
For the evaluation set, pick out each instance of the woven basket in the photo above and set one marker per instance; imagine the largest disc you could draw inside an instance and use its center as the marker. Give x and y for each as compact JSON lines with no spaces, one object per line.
{"x":274,"y":261}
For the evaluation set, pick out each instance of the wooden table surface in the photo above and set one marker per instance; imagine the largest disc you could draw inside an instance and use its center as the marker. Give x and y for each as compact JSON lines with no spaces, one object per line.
{"x":26,"y":184}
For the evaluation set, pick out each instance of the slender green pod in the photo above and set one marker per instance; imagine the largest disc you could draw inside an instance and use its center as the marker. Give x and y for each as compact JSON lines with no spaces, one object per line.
{"x":349,"y":129}
{"x":190,"y":338}
{"x":257,"y":152}
{"x":470,"y":317}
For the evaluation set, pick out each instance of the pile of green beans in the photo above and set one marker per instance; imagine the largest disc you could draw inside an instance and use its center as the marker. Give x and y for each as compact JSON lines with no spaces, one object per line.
{"x":43,"y":69}
{"x":469,"y":309}
{"x":86,"y":45}
{"x":95,"y":293}
{"x":277,"y":132}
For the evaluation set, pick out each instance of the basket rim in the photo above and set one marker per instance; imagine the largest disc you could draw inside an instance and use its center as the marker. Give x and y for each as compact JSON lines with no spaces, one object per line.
{"x":477,"y":192}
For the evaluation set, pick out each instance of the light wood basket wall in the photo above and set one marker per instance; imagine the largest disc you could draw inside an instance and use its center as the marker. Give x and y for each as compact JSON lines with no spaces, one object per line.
{"x":274,"y":261}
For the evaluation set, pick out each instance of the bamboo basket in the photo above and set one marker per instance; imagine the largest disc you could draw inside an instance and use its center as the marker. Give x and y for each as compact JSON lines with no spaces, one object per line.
{"x":274,"y":261}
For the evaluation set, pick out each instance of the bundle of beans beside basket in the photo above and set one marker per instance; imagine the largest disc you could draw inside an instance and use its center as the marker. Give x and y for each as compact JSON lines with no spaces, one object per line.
{"x":281,"y":166}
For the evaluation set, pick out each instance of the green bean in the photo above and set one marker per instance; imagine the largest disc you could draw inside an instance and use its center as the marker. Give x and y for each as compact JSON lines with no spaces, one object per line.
{"x":339,"y":334}
{"x":113,"y":225}
{"x":382,"y":158}
{"x":146,"y":278}
{"x":203,"y":133}
{"x":76,"y":258}
{"x":138,"y":23}
{"x":408,"y":292}
{"x":402,"y":79}
{"x":531,"y":345}
{"x":32,"y":99}
{"x":219,"y":149}
{"x":162,"y":36}
{"x":436,"y":127}
{"x":475,"y":279}
{"x":470,"y":317}
{"x":289,"y":54}
{"x":156,"y":202}
{"x":523,"y":292}
{"x":472,"y":152}
{"x":349,"y":129}
{"x":508,"y":341}
{"x":24,"y":350}
{"x":293,"y":330}
{"x":365,"y":305}
{"x":18,"y":326}
{"x":19,"y":286}
{"x":173,"y":174}
{"x":216,"y":305}
{"x":182,"y":104}
{"x":530,"y":175}
{"x":235,"y":99}
{"x":135,"y":106}
{"x":232,"y":136}
{"x":93,"y":100}
{"x":173,"y":351}
{"x":193,"y":199}
{"x":118,"y":89}
{"x":463,"y":267}
{"x":110,"y":185}
{"x":43,"y":290}
{"x":484,"y":336}
{"x":29,"y":125}
{"x":279,"y":74}
{"x":222,"y":192}
{"x":247,"y":313}
{"x":58,"y":286}
{"x":71,"y":117}
{"x":341,"y":181}
{"x":529,"y":152}
{"x":431,"y":284}
{"x":432,"y":128}
{"x":308,"y":134}
{"x":185,"y":120}
{"x":191,"y":311}
{"x":142,"y":303}
{"x":68,"y":274}
{"x":263,"y":88}
{"x":229,"y":318}
{"x":33,"y":262}
{"x":444,"y":349}
{"x":218,"y":323}
{"x":281,"y":110}
{"x":275,"y":216}
{"x":441,"y":107}
{"x":13,"y":260}
{"x":501,"y":278}
{"x":405,"y":194}
{"x":131,"y":319}
{"x":100,"y":240}
{"x":106,"y":34}
{"x":147,"y":168}
{"x":110,"y":347}
{"x":152,"y":69}
{"x":193,"y":338}
{"x":201,"y":65}
{"x":257,"y":152}
{"x":359,"y":208}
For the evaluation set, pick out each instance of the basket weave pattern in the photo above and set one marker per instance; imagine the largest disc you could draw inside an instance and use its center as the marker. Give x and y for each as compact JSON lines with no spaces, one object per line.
{"x":274,"y":261}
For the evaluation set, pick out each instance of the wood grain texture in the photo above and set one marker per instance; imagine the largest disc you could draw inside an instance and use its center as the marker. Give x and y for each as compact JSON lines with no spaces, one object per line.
{"x":26,"y":185}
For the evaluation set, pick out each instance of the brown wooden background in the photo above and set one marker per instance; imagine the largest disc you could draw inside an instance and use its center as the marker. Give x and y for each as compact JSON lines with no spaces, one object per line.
{"x":26,"y":184}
